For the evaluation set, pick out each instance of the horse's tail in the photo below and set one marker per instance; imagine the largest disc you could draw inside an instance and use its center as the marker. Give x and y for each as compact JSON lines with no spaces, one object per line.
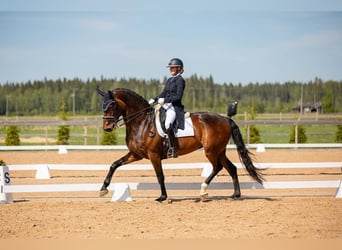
{"x":244,"y":153}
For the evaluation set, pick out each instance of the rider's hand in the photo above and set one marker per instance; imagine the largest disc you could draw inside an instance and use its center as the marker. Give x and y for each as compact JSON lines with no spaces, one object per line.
{"x":161,"y":101}
{"x":151,"y":101}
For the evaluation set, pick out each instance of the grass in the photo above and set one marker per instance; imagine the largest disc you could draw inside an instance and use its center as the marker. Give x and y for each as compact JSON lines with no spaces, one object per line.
{"x":91,"y":135}
{"x":281,"y":133}
{"x":30,"y":135}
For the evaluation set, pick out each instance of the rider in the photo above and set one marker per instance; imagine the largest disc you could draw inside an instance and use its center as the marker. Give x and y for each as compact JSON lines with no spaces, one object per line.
{"x":171,"y":99}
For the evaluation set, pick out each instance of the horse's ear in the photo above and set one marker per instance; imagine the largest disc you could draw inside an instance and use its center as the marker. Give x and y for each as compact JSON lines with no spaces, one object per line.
{"x":111,"y":94}
{"x":101,"y":92}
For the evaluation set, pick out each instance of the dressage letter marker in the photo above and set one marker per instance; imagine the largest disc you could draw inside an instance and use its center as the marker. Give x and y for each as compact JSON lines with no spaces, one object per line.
{"x":5,"y":180}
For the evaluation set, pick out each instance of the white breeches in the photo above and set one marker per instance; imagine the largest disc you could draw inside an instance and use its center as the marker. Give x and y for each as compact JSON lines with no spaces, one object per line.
{"x":170,"y":114}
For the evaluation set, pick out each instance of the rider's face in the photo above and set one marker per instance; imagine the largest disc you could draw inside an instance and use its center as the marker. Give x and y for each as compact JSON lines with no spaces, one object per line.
{"x":173,"y":71}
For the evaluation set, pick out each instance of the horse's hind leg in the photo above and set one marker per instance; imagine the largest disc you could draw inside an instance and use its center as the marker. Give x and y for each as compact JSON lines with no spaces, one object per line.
{"x":232,"y":170}
{"x":217,"y":166}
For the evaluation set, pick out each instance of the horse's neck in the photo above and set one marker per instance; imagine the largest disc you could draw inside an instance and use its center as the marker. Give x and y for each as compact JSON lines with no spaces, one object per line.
{"x":141,"y":123}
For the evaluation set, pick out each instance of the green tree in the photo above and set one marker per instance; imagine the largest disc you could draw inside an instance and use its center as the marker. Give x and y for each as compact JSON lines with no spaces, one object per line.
{"x":328,"y":103}
{"x":12,"y":136}
{"x":63,"y":133}
{"x":43,"y":97}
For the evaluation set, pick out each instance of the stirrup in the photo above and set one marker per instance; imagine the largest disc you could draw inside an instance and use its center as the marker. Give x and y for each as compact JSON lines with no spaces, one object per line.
{"x":172,"y":153}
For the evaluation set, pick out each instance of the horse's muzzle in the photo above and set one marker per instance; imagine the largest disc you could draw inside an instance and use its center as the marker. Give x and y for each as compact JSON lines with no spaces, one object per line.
{"x":109,"y":123}
{"x":109,"y":129}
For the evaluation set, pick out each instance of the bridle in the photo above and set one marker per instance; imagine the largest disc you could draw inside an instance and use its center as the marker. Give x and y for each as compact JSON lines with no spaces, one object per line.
{"x":106,"y":106}
{"x":119,"y":122}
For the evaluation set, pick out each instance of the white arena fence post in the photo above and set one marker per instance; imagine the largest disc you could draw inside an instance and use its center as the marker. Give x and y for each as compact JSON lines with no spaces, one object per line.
{"x":339,"y":191}
{"x":43,"y":173}
{"x":62,"y":150}
{"x":121,"y":192}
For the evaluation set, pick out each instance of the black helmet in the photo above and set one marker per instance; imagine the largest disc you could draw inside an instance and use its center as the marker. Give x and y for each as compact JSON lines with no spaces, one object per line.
{"x":174,"y":62}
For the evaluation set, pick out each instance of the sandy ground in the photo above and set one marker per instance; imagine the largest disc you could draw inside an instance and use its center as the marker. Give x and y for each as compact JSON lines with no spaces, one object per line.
{"x":259,"y":214}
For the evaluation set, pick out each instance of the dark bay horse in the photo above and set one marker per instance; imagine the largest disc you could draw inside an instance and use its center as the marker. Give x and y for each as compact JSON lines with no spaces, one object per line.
{"x":212,"y":133}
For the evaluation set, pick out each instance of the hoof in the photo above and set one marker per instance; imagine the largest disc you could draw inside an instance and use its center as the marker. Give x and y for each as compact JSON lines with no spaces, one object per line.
{"x":103,"y":192}
{"x":236,"y":196}
{"x":204,"y":196}
{"x":161,"y":198}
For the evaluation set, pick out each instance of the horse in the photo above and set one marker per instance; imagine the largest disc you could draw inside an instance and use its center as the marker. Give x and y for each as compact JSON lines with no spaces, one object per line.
{"x":212,"y":132}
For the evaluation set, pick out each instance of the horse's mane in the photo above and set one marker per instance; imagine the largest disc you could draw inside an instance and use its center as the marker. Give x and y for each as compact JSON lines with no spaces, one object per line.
{"x":131,"y":92}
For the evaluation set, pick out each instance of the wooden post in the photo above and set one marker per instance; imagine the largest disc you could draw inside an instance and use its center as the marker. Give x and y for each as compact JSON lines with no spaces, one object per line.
{"x":85,"y":132}
{"x":98,"y":136}
{"x":85,"y":135}
{"x":46,"y":137}
{"x":248,"y":134}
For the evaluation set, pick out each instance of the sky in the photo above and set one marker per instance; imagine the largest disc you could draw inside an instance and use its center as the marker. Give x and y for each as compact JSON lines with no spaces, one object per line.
{"x":232,"y":41}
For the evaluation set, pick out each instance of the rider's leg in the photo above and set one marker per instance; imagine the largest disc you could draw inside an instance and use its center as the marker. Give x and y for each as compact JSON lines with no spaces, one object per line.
{"x":172,"y":152}
{"x":170,"y":118}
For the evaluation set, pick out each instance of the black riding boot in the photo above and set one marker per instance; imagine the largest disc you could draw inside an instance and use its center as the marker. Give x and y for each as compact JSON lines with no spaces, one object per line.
{"x":172,"y":152}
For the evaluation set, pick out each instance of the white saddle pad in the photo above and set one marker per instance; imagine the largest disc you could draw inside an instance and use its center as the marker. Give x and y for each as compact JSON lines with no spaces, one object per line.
{"x":188,"y":128}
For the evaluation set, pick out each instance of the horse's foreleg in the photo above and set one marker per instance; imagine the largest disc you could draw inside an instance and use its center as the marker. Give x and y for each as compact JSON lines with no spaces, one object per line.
{"x":163,"y":195}
{"x":108,"y":179}
{"x":123,"y":160}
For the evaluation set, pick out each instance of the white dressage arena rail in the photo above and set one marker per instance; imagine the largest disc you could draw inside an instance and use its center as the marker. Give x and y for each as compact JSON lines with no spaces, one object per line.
{"x":205,"y":166}
{"x":41,"y":188}
{"x":124,"y":147}
{"x":199,"y":165}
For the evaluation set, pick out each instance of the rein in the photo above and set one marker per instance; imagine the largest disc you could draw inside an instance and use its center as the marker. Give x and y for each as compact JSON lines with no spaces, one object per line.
{"x":120,"y":122}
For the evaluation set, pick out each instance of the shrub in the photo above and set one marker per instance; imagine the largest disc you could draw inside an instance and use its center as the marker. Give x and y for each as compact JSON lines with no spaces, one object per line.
{"x":12,"y":136}
{"x":338,"y":137}
{"x":63,"y":133}
{"x":254,"y":135}
{"x":2,"y":162}
{"x":109,"y":138}
{"x":301,"y":134}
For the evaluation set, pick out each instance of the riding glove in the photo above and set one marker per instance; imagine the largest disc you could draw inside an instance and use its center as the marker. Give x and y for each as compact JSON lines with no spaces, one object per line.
{"x":151,"y":101}
{"x":161,"y":100}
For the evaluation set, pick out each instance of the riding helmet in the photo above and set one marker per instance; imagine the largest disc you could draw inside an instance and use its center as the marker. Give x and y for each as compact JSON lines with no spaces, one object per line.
{"x":175,"y":62}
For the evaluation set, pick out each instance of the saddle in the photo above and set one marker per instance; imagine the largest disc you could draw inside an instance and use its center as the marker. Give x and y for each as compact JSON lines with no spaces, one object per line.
{"x":160,"y":116}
